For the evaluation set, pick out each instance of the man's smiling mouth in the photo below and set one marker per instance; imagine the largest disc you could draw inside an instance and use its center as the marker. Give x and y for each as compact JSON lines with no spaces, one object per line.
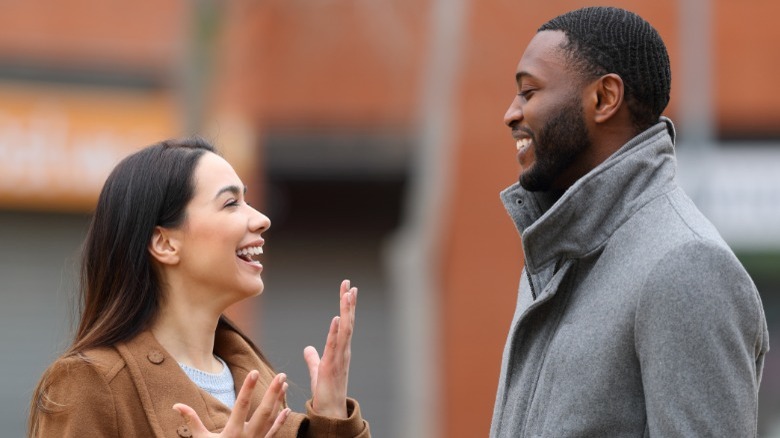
{"x":523,"y":143}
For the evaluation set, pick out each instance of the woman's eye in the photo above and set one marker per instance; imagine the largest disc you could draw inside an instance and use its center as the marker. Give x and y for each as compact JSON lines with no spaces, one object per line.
{"x":231,"y":203}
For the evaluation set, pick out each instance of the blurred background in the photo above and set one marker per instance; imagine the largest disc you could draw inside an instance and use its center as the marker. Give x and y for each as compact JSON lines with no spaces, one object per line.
{"x":370,"y":131}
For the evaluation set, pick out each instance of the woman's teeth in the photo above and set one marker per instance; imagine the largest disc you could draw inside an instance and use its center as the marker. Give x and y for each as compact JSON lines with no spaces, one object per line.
{"x":523,"y":143}
{"x":247,"y":253}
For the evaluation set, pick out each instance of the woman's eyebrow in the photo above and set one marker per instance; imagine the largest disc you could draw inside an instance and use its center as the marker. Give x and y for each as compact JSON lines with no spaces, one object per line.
{"x":235,"y":190}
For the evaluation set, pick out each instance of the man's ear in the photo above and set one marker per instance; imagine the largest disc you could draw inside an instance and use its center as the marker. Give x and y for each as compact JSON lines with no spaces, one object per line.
{"x":609,"y":93}
{"x":164,"y":247}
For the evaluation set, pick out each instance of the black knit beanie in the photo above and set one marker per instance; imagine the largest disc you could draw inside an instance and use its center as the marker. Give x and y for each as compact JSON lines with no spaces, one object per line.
{"x":604,"y":40}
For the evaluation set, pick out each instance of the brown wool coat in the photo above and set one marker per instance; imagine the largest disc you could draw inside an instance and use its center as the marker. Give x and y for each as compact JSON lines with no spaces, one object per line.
{"x":129,"y":390}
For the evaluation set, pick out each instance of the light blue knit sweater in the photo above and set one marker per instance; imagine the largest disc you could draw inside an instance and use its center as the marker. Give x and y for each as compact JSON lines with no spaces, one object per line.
{"x":219,"y":385}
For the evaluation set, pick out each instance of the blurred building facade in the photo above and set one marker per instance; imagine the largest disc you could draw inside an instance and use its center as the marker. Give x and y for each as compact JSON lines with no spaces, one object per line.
{"x":371,"y":133}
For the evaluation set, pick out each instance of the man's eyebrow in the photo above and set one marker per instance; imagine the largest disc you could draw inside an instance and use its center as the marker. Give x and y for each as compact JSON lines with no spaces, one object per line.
{"x":235,"y":190}
{"x":522,"y":74}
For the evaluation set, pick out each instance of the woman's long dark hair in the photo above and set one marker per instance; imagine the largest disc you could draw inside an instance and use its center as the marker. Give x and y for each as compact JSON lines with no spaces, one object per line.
{"x":120,"y":288}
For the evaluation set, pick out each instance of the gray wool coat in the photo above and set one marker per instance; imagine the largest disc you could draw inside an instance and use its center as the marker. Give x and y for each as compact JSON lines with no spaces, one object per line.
{"x":633,"y":318}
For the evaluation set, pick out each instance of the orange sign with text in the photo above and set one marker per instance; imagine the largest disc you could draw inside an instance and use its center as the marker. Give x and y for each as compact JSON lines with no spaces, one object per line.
{"x":58,"y":144}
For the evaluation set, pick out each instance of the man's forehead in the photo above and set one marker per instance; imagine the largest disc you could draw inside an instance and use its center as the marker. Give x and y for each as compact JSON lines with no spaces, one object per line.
{"x":544,"y":50}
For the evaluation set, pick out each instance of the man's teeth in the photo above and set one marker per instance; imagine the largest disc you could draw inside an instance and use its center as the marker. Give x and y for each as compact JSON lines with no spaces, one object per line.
{"x":523,"y":143}
{"x":252,"y":251}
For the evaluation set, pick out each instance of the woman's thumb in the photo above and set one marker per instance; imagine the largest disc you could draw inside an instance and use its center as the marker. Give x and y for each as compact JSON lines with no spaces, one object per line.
{"x":192,"y":419}
{"x":312,"y":359}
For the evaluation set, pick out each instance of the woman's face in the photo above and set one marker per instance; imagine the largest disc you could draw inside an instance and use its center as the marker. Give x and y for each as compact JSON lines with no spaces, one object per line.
{"x":220,"y":240}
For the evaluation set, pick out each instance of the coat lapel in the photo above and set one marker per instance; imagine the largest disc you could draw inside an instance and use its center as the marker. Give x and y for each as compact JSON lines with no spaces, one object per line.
{"x":238,"y":354}
{"x":241,"y":359}
{"x":161,"y":383}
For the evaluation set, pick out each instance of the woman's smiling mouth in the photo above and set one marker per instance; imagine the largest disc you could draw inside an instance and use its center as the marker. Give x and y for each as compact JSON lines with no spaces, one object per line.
{"x":249,"y":254}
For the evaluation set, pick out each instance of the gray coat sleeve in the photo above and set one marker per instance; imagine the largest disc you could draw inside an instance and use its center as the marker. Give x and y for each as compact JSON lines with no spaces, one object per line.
{"x":701,"y":337}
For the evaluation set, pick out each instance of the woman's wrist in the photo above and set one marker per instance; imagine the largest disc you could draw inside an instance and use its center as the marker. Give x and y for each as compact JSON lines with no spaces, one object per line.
{"x":330,"y":411}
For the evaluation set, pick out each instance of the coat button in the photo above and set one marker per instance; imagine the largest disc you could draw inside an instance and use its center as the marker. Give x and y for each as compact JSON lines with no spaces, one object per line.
{"x":184,"y":432}
{"x":155,"y":357}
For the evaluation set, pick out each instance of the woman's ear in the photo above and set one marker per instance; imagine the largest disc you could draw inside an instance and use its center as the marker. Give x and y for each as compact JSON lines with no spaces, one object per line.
{"x":609,"y":94}
{"x":164,"y":247}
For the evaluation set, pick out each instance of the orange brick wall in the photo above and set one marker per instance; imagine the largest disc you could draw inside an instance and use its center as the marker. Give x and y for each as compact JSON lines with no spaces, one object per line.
{"x":143,"y":34}
{"x":747,"y":59}
{"x":305,"y":63}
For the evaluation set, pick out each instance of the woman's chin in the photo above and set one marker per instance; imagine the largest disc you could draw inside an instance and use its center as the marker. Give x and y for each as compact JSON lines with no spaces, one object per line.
{"x":257,"y":288}
{"x":247,"y":289}
{"x":259,"y":291}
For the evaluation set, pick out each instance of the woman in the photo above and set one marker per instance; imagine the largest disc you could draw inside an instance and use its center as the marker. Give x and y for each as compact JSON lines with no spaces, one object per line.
{"x":172,"y":244}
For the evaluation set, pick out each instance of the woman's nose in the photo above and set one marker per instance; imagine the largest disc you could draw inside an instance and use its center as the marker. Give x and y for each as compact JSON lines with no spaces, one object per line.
{"x":259,"y":222}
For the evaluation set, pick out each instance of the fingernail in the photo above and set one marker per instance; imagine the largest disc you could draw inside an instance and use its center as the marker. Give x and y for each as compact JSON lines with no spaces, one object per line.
{"x":284,"y":387}
{"x":348,"y":283}
{"x":282,"y":377}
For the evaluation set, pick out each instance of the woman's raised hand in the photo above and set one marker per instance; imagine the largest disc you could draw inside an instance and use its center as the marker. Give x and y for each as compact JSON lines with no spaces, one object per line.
{"x":330,"y":375}
{"x":265,"y":421}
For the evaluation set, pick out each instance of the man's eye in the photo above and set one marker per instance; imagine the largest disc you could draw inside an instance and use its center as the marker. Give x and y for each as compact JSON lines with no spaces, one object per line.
{"x":526,"y":94}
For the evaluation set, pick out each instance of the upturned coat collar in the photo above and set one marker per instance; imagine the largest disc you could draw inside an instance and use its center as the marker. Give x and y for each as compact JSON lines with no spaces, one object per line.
{"x":590,"y":211}
{"x":154,"y":371}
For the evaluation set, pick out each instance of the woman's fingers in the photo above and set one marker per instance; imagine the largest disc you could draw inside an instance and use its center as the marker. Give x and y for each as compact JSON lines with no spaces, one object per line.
{"x":346,"y":323}
{"x":333,"y":336}
{"x":266,"y":420}
{"x":193,"y":421}
{"x":278,"y":423}
{"x":347,"y":319}
{"x":354,"y":304}
{"x":344,"y":288}
{"x":243,"y":400}
{"x":330,"y":374}
{"x":273,"y":399}
{"x":312,"y":358}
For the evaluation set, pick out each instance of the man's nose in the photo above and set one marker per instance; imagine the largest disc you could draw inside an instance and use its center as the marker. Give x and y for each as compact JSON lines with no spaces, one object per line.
{"x":514,"y":113}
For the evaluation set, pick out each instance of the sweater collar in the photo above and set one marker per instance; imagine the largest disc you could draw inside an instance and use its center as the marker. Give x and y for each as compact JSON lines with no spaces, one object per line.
{"x":590,"y":211}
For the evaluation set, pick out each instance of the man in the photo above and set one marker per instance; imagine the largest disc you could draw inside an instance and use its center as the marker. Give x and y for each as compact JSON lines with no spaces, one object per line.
{"x":634,"y":318}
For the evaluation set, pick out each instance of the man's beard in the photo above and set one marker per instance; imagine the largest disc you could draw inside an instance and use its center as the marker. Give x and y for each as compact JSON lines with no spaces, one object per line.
{"x":557,"y":146}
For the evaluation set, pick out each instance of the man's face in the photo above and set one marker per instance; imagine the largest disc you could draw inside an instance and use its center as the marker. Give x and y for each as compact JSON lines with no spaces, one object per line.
{"x":546,"y":116}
